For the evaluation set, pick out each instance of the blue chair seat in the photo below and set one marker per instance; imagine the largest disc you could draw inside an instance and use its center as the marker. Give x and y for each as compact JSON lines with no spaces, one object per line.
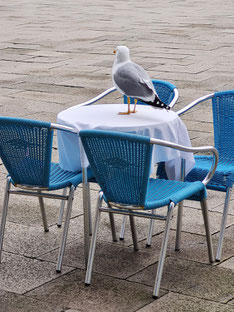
{"x":223,"y":177}
{"x":60,"y":178}
{"x":163,"y":192}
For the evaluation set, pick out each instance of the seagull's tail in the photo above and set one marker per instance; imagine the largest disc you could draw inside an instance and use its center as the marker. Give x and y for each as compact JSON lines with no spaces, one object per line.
{"x":158,"y":103}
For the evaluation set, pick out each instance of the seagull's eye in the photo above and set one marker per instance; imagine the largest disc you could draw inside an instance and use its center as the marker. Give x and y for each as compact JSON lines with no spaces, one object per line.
{"x":114,"y":51}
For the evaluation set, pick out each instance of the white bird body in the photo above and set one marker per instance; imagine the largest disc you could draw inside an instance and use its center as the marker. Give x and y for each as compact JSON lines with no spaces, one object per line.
{"x":123,"y":69}
{"x":131,"y":79}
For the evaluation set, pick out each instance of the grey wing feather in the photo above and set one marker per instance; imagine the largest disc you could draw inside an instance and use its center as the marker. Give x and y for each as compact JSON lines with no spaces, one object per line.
{"x":133,"y":80}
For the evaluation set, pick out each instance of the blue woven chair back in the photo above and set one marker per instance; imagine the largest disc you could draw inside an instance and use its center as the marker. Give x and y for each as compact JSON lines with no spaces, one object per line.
{"x":25,"y":149}
{"x":164,"y":89}
{"x":120,"y":163}
{"x":223,"y":117}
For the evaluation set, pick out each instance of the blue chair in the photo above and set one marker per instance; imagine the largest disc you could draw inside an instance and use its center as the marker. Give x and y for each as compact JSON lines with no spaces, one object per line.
{"x":223,"y":124}
{"x":26,"y":149}
{"x":121,"y":165}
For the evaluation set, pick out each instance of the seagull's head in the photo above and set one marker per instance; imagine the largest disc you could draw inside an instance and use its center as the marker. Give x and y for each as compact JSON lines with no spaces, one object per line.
{"x":122,"y":54}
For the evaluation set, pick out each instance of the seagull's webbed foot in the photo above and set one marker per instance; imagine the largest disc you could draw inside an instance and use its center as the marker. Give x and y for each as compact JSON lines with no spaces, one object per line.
{"x":124,"y":113}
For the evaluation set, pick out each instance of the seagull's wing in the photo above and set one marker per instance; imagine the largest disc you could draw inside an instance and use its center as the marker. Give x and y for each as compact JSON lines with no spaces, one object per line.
{"x":144,"y":77}
{"x":133,"y":81}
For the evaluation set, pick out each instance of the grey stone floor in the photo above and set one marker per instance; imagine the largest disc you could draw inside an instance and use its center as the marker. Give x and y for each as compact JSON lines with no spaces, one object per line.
{"x":55,"y":54}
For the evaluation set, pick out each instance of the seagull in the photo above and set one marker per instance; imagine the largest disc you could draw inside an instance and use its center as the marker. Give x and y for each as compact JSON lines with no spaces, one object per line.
{"x":132,"y":80}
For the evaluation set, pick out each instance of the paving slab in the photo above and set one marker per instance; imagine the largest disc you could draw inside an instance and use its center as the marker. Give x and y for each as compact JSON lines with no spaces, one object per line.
{"x":190,"y":278}
{"x":32,"y":241}
{"x":123,"y":264}
{"x":228,"y":264}
{"x":20,"y":274}
{"x":175,"y":302}
{"x":193,"y":221}
{"x":20,"y":303}
{"x":193,"y":246}
{"x":105,"y":237}
{"x":104,"y":294}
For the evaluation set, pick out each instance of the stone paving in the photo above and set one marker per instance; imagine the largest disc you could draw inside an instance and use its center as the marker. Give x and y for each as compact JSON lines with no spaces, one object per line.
{"x":56,"y":54}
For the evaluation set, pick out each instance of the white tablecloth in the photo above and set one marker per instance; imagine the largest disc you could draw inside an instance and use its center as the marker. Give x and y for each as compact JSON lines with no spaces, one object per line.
{"x":149,"y":121}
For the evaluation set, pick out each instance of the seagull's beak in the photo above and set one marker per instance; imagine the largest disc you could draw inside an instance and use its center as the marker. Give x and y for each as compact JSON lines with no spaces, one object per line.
{"x":114,"y":51}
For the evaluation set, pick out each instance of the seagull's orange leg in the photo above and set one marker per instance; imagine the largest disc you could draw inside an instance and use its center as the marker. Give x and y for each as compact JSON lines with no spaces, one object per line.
{"x":135,"y":103}
{"x":128,"y":112}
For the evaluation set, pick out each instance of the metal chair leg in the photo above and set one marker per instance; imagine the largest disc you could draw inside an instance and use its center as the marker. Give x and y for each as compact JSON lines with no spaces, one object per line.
{"x":86,"y":211}
{"x":207,"y":228}
{"x":150,"y":233}
{"x":223,"y":223}
{"x":134,"y":234}
{"x":179,"y":226}
{"x":43,"y":214}
{"x":90,"y":212}
{"x":61,"y":211}
{"x":65,"y":230}
{"x":4,"y":213}
{"x":112,"y":223}
{"x":163,"y":251}
{"x":93,"y":243}
{"x":180,"y":209}
{"x":122,"y":231}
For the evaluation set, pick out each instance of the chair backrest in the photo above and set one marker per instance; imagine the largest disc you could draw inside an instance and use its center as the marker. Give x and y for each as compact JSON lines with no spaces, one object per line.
{"x":120,"y":163}
{"x":223,"y":122}
{"x":25,"y":149}
{"x":165,"y":90}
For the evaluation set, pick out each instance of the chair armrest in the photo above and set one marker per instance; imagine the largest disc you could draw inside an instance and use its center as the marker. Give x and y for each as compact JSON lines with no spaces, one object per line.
{"x":175,"y":98}
{"x":202,"y":149}
{"x":63,"y":128}
{"x":194,"y":103}
{"x":98,"y":97}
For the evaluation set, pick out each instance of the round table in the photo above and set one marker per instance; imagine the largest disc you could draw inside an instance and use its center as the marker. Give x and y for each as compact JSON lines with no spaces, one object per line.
{"x":149,"y":121}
